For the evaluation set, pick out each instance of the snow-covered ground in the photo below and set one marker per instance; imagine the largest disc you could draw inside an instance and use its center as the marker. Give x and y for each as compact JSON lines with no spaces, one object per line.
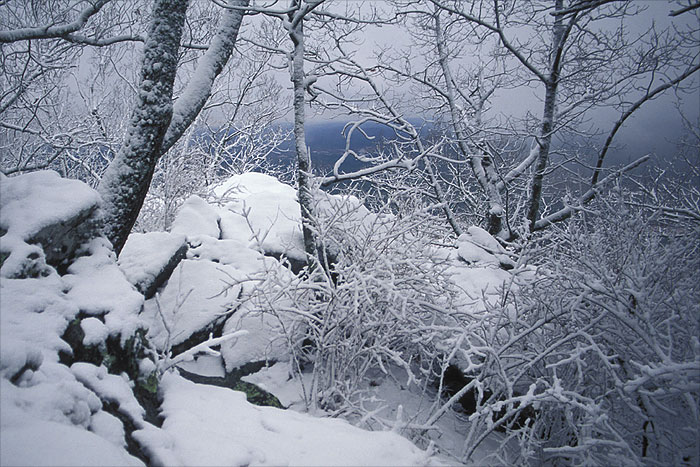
{"x":61,"y":406}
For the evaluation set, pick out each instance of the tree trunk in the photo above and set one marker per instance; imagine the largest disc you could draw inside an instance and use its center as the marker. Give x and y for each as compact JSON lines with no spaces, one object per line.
{"x":482,"y":165}
{"x":125,"y":183}
{"x":304,"y":193}
{"x":190,"y":103}
{"x":545,"y":141}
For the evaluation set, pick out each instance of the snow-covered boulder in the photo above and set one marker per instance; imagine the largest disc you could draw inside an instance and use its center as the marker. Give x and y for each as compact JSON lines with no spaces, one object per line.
{"x":77,"y":308}
{"x":267,"y":338}
{"x":52,"y":443}
{"x":149,"y":259}
{"x":234,"y":253}
{"x":477,"y":246}
{"x":263,"y":212}
{"x":241,"y":186}
{"x":99,"y":288}
{"x":196,"y":217}
{"x":197,"y":299}
{"x":78,"y":376}
{"x":43,"y":209}
{"x":209,"y":425}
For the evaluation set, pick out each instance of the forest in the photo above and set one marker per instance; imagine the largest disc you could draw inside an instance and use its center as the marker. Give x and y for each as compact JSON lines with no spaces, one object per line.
{"x":349,"y":232}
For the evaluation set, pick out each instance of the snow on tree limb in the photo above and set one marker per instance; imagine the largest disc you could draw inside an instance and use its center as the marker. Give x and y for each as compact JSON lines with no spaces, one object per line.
{"x":198,"y":89}
{"x":568,"y":211}
{"x":50,"y":31}
{"x":127,"y":179}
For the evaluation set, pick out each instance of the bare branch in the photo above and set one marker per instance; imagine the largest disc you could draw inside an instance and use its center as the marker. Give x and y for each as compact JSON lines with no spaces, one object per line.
{"x":680,"y":11}
{"x":568,"y":211}
{"x":647,"y":97}
{"x":50,"y":31}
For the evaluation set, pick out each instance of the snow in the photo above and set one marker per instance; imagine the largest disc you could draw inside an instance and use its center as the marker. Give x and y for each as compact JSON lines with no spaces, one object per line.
{"x":196,"y":217}
{"x":108,"y":387}
{"x":241,"y":186}
{"x":281,"y":381}
{"x":478,"y":246}
{"x":51,"y":443}
{"x":273,"y":223}
{"x":267,"y":338}
{"x":95,"y":331}
{"x":36,"y":200}
{"x":109,"y":427}
{"x":45,"y":411}
{"x":263,"y":212}
{"x":210,"y":425}
{"x":51,"y":394}
{"x":205,"y":365}
{"x":231,"y":252}
{"x":52,"y":413}
{"x":145,"y":255}
{"x":196,"y":295}
{"x":99,"y":287}
{"x":24,"y":259}
{"x":33,"y":314}
{"x":28,"y":204}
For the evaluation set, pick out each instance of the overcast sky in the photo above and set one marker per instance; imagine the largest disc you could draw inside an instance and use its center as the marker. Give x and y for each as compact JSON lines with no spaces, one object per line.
{"x":655,"y":128}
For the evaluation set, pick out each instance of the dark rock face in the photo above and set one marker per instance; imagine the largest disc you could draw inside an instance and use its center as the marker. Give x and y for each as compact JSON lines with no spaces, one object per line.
{"x":148,"y":289}
{"x":44,"y":221}
{"x":61,"y":240}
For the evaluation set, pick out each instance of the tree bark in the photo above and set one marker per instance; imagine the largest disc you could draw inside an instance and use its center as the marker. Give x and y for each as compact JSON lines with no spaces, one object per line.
{"x":190,"y":103}
{"x":304,"y":193}
{"x":127,"y":179}
{"x":550,"y":98}
{"x":482,"y":165}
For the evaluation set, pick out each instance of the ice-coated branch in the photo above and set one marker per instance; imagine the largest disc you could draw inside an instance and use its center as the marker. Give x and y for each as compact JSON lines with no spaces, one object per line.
{"x":628,"y":113}
{"x":568,"y":211}
{"x":498,"y":30}
{"x":198,"y":90}
{"x":51,"y":31}
{"x":205,"y":346}
{"x":482,"y":165}
{"x":686,"y":9}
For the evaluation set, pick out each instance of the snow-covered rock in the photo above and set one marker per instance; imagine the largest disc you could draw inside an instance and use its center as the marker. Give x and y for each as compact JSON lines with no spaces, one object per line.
{"x":99,"y":288}
{"x":263,"y":212}
{"x":209,"y":425}
{"x":267,"y":340}
{"x":44,"y":209}
{"x":45,"y":410}
{"x":477,"y":246}
{"x":51,"y":443}
{"x":147,"y":260}
{"x":196,"y":217}
{"x":198,"y":295}
{"x":73,"y":352}
{"x":240,"y":186}
{"x":231,"y":252}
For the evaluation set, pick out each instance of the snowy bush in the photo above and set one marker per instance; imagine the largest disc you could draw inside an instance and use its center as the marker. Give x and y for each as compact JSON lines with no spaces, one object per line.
{"x":374,"y":306}
{"x":603,"y":345}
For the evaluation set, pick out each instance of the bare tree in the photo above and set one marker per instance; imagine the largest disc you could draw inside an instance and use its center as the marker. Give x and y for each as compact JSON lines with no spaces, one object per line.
{"x":125,"y":183}
{"x":581,"y":66}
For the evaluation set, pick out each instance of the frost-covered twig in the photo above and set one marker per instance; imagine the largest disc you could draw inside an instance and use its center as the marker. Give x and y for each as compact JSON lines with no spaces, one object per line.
{"x":204,"y":347}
